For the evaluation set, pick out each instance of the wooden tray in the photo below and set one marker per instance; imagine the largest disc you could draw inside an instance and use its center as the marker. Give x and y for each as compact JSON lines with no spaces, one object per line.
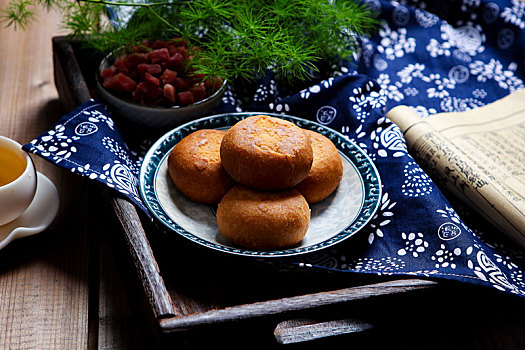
{"x":202,"y":289}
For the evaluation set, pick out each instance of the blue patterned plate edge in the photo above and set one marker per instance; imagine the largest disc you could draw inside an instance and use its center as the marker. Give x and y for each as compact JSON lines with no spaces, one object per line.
{"x":360,"y":161}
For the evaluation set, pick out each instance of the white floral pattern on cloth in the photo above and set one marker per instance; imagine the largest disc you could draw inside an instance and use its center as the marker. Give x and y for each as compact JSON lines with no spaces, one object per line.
{"x":515,"y":14}
{"x":104,"y":155}
{"x":424,"y":57}
{"x":461,"y":42}
{"x":417,"y":183}
{"x":381,"y":219}
{"x":486,"y":270}
{"x":56,"y":144}
{"x":432,"y":65}
{"x":415,"y":244}
{"x":364,"y":99}
{"x":395,"y":44}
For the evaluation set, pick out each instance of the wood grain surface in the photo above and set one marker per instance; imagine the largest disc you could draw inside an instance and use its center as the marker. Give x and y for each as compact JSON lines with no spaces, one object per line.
{"x":43,"y":279}
{"x":59,"y":289}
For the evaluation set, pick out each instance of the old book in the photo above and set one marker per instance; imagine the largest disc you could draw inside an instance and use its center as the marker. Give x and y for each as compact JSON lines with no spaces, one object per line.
{"x":478,"y":155}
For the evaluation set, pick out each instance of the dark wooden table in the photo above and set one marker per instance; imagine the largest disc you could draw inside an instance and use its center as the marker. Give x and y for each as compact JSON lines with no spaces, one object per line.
{"x":74,"y":286}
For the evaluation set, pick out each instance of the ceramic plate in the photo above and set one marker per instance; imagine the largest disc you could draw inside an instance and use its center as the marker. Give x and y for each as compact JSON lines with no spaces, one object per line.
{"x":333,"y":220}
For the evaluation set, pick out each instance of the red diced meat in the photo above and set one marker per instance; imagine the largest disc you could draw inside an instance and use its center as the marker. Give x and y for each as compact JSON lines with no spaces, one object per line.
{"x":143,"y":47}
{"x":170,"y":92}
{"x":151,"y":79}
{"x":120,"y":65}
{"x":159,"y":44}
{"x":180,"y":42}
{"x":176,"y":62}
{"x":172,"y":50}
{"x":132,"y":61}
{"x":214,"y":84}
{"x":120,"y":83}
{"x":181,"y":84}
{"x":137,"y":58}
{"x":149,"y":90}
{"x":168,"y":77}
{"x":138,"y":95}
{"x":185,"y":98}
{"x":197,"y":78}
{"x":108,"y":72}
{"x":158,"y":73}
{"x":183,"y":51}
{"x":154,"y":92}
{"x":198,"y":92}
{"x":149,"y":68}
{"x":158,"y":56}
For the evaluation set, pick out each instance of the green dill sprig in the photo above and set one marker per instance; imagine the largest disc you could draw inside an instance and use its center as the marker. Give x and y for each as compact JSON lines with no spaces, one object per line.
{"x":237,"y":39}
{"x":18,"y":14}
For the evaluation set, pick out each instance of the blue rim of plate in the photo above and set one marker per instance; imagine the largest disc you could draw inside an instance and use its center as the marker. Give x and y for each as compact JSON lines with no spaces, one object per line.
{"x":358,"y":158}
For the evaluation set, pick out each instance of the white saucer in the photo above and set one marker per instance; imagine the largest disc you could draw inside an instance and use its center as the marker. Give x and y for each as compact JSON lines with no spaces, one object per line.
{"x":37,"y":217}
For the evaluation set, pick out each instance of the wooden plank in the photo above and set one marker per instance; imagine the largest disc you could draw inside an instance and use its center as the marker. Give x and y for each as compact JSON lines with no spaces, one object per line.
{"x":284,"y":305}
{"x":73,"y":91}
{"x":303,"y":330}
{"x":69,"y":81}
{"x":123,"y":318}
{"x":44,"y":278}
{"x":143,"y":258}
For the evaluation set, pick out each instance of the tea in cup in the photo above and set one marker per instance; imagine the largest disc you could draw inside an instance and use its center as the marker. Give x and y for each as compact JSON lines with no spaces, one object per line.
{"x":18,"y":180}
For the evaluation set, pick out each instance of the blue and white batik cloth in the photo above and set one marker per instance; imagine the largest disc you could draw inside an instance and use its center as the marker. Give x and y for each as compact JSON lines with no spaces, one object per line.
{"x":435,"y":56}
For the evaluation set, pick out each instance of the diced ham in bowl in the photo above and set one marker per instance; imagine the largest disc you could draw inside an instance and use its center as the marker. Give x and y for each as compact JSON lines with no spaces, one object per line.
{"x":158,"y":74}
{"x":153,"y":85}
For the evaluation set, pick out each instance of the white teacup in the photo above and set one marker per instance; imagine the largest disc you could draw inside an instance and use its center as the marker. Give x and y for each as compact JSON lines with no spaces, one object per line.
{"x":18,"y":180}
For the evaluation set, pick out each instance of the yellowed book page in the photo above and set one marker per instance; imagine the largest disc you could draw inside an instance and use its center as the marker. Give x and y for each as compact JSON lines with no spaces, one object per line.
{"x":479,"y":155}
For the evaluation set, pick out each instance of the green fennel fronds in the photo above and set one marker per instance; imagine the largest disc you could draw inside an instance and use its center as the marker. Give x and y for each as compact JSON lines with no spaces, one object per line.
{"x":18,"y":14}
{"x":238,"y":39}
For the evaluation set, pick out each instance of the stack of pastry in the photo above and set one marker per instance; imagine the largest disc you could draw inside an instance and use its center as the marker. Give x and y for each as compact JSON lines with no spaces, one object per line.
{"x":263,"y":173}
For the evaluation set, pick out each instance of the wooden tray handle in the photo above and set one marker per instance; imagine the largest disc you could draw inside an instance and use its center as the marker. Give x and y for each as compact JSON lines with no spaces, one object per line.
{"x":296,"y":303}
{"x":303,"y":330}
{"x":145,"y":263}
